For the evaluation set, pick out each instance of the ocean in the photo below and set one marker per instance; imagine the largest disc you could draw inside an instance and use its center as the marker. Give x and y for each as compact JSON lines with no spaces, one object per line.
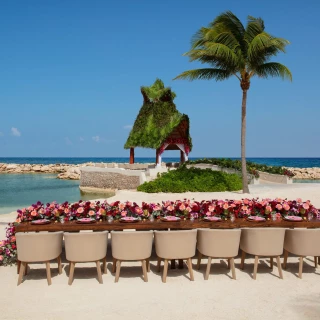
{"x":21,"y":190}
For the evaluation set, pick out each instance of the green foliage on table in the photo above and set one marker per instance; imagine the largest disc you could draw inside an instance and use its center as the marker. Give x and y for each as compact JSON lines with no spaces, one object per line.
{"x":193,"y":180}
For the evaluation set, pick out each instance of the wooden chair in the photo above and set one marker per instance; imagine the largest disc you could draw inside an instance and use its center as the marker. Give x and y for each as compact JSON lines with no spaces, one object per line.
{"x":38,"y":247}
{"x":131,"y":246}
{"x":86,"y":247}
{"x":265,"y":242}
{"x":172,"y":245}
{"x":215,"y":243}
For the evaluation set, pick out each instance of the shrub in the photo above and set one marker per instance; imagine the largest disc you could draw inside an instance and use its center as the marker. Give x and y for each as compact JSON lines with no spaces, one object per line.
{"x":193,"y":180}
{"x":252,"y":167}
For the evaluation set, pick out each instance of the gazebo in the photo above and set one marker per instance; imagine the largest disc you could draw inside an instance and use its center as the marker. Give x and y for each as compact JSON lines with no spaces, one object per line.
{"x":159,"y":125}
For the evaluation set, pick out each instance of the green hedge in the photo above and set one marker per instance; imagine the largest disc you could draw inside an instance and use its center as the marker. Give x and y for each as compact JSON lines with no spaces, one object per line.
{"x":252,"y":167}
{"x":193,"y":180}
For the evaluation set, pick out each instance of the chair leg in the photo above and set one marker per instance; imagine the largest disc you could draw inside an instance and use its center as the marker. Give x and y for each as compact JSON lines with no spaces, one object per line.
{"x":243,"y":256}
{"x":233,"y":269}
{"x":173,"y":264}
{"x":271,"y":263}
{"x":18,"y":266}
{"x":158,"y":264}
{"x":114,"y":264}
{"x":117,"y":271}
{"x":315,"y":262}
{"x":165,"y":271}
{"x":71,"y":272}
{"x":148,"y":265}
{"x":199,"y":260}
{"x":144,"y":270}
{"x":48,"y":273}
{"x":255,"y":269}
{"x":189,"y":261}
{"x":206,"y":277}
{"x":300,"y":267}
{"x":180,"y":265}
{"x":99,"y":272}
{"x":285,"y":258}
{"x":104,"y":265}
{"x":59,"y":264}
{"x":279,"y":267}
{"x":26,"y":269}
{"x":229,"y":263}
{"x":21,"y":272}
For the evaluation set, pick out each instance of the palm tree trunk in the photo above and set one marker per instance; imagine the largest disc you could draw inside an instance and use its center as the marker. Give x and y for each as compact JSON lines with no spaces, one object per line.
{"x":245,"y":188}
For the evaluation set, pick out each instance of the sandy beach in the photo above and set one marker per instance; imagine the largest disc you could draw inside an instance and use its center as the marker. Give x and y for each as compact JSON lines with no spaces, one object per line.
{"x":220,"y":297}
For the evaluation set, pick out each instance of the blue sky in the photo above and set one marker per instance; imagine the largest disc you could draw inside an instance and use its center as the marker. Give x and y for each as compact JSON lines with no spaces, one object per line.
{"x":71,"y":73}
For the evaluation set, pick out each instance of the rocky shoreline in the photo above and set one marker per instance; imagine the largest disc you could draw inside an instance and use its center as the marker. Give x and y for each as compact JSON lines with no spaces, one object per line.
{"x":64,"y":171}
{"x":306,"y":173}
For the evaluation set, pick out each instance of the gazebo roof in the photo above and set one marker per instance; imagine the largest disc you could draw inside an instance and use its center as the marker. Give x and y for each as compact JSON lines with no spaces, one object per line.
{"x":158,"y":120}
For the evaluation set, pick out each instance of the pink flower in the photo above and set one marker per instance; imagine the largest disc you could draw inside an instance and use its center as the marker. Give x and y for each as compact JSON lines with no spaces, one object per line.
{"x":34,"y":213}
{"x":211,"y":208}
{"x":306,"y":206}
{"x":170,"y":208}
{"x":246,"y":201}
{"x":80,"y":210}
{"x":91,"y":213}
{"x":279,"y":206}
{"x":1,"y":258}
{"x":30,"y":208}
{"x":138,"y":210}
{"x":188,"y":209}
{"x":18,"y":220}
{"x":225,"y":206}
{"x":299,"y":200}
{"x":1,"y":243}
{"x":286,"y":207}
{"x":157,"y":208}
{"x":121,"y":206}
{"x":66,"y":210}
{"x":278,"y":215}
{"x":92,"y":205}
{"x":268,"y":208}
{"x":102,"y":211}
{"x":13,"y":239}
{"x":208,"y":214}
{"x":129,"y":203}
{"x":182,"y":207}
{"x":244,"y":208}
{"x":123,"y":213}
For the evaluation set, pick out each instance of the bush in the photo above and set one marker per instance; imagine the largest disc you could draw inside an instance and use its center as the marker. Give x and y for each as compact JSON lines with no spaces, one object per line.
{"x":193,"y":180}
{"x":252,"y":167}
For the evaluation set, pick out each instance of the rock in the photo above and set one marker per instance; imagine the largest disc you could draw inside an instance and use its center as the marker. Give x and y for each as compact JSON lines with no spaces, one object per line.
{"x":12,"y":166}
{"x":36,"y":168}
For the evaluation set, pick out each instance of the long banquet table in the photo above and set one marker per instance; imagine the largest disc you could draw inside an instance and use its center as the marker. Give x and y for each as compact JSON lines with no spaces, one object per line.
{"x":164,"y":225}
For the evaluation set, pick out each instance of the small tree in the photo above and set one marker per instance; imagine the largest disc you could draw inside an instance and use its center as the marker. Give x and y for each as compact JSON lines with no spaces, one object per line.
{"x":230,"y":49}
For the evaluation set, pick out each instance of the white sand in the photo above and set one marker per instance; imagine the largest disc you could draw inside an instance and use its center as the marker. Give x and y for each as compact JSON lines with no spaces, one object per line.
{"x":218,"y":298}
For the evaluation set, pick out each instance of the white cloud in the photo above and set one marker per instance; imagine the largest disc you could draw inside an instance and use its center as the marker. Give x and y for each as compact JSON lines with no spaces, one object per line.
{"x":1,"y":134}
{"x":15,"y":132}
{"x":68,"y":141}
{"x":96,"y":138}
{"x":81,"y":139}
{"x":128,"y":127}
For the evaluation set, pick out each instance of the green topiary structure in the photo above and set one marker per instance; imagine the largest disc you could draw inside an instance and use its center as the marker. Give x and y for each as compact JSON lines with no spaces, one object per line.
{"x":159,"y":122}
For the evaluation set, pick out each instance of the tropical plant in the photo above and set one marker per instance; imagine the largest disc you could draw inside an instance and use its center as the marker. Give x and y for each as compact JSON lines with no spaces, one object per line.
{"x":230,"y":49}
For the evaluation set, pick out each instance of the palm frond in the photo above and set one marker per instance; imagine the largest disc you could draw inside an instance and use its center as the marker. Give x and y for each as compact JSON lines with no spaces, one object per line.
{"x":205,"y":74}
{"x":254,"y":27}
{"x":273,"y":69}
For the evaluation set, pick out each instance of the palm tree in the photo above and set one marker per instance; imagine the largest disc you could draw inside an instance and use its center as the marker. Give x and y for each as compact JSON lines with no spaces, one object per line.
{"x":230,"y":49}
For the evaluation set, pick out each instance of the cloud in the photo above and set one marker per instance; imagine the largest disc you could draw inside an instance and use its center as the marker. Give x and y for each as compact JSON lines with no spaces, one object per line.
{"x":1,"y":134}
{"x":81,"y":139}
{"x":96,"y":138}
{"x":15,"y":132}
{"x":128,"y":127}
{"x":68,"y":141}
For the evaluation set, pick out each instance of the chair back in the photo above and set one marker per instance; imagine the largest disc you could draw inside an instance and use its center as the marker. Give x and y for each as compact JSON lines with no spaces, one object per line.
{"x":85,"y":247}
{"x":131,"y":245}
{"x":36,"y":247}
{"x":303,"y":242}
{"x":262,"y":241}
{"x":219,"y":243}
{"x":175,"y":244}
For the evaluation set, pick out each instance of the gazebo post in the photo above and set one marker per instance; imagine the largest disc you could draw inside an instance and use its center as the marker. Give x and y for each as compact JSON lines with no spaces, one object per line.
{"x":131,"y":155}
{"x":182,"y":158}
{"x":157,"y":156}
